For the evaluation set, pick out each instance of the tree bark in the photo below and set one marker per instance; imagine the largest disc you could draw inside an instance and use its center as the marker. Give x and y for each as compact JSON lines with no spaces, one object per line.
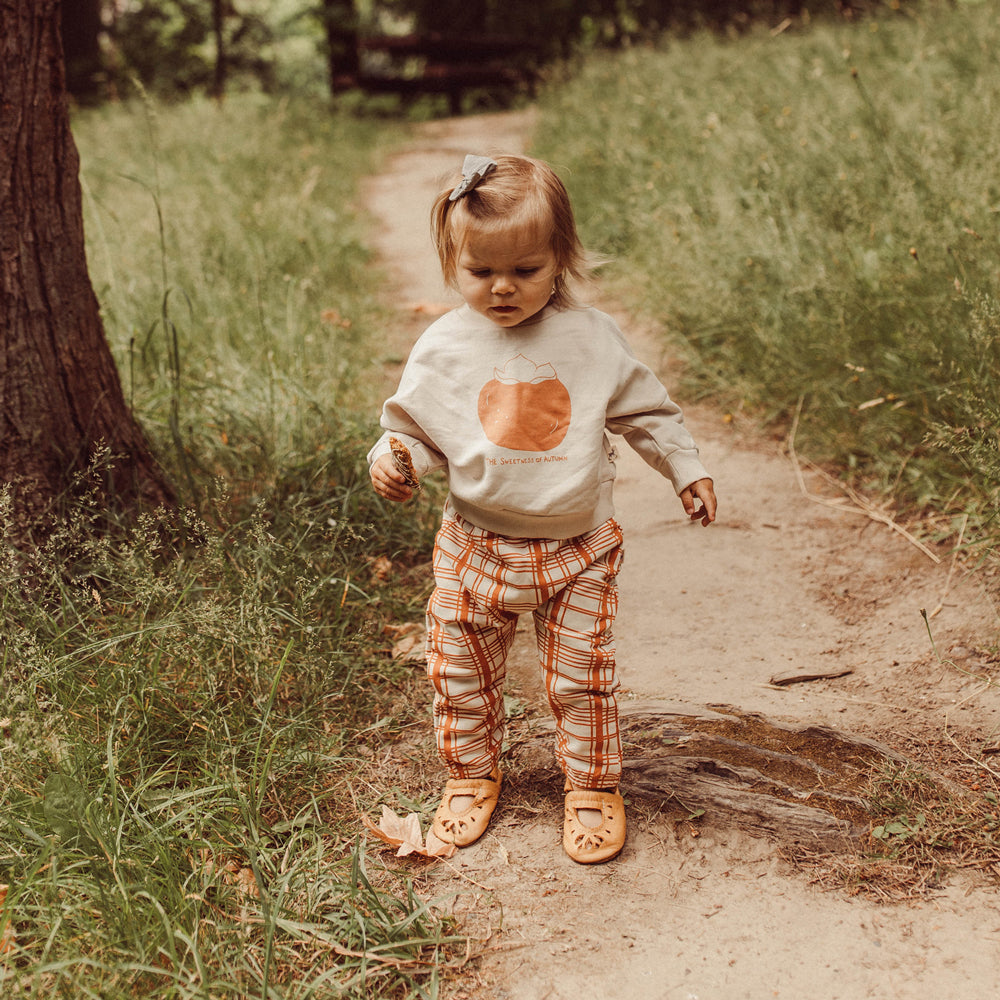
{"x":219,"y":34}
{"x":800,"y":785}
{"x":340,"y":22}
{"x":61,"y":400}
{"x":81,"y":32}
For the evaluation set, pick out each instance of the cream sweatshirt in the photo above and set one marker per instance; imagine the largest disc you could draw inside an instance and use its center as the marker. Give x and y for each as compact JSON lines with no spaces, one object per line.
{"x":519,"y":418}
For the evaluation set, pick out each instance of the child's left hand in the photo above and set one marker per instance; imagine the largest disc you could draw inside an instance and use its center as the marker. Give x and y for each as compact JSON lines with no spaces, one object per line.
{"x":388,"y":481}
{"x":704,"y":491}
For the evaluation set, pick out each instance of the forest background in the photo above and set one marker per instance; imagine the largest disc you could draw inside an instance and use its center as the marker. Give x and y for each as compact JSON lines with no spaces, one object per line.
{"x":192,"y":706}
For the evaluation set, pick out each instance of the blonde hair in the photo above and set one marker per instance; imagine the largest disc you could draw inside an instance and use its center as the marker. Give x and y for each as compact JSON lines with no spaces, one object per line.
{"x":521,"y":193}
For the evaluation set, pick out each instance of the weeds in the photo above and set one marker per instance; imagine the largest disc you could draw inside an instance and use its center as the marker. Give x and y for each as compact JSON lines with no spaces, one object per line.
{"x":188,"y":700}
{"x":814,"y":216}
{"x":937,"y":813}
{"x":169,"y":713}
{"x":930,"y":827}
{"x":923,"y":827}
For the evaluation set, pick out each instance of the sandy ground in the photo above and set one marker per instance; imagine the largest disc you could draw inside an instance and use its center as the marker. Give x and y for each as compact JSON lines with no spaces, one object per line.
{"x":782,"y":582}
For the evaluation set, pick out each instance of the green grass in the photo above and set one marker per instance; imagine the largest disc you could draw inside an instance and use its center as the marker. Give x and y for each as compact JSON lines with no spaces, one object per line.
{"x":188,"y":705}
{"x":814,"y":219}
{"x":180,"y":741}
{"x":224,"y":237}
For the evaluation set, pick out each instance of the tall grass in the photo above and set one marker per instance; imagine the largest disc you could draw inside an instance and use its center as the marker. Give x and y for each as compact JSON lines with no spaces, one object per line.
{"x":225,"y":237}
{"x":814,"y":219}
{"x":186,"y":705}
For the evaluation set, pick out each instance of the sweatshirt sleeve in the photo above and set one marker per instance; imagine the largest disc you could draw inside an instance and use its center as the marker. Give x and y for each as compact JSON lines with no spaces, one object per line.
{"x":400,"y":419}
{"x":643,"y":413}
{"x":426,"y":458}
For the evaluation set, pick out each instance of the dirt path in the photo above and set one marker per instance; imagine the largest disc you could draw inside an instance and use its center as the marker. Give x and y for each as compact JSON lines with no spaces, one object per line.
{"x":781,"y":582}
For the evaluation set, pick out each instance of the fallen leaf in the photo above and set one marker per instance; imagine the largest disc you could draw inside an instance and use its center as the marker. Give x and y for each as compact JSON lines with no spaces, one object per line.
{"x":438,"y":848}
{"x":7,"y":941}
{"x":245,"y":882}
{"x":404,"y":834}
{"x":410,"y":648}
{"x":334,"y":318}
{"x":409,"y":642}
{"x":233,"y":873}
{"x":381,"y":568}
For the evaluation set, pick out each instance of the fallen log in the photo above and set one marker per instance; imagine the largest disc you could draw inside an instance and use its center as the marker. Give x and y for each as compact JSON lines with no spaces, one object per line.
{"x":802,"y":785}
{"x":744,"y":797}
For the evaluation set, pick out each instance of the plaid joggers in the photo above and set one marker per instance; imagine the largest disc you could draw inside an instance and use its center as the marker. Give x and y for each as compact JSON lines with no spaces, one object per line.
{"x":483,"y":582}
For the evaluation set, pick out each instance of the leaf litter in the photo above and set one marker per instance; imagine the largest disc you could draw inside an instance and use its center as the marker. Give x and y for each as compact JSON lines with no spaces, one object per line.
{"x":405,"y":835}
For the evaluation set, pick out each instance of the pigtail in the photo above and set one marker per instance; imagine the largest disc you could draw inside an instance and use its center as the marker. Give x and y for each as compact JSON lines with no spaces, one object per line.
{"x":521,"y":191}
{"x":443,"y":235}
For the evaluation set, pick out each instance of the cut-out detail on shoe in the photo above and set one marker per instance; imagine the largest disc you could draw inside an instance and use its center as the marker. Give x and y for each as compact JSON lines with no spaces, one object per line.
{"x":593,"y":844}
{"x":464,"y":827}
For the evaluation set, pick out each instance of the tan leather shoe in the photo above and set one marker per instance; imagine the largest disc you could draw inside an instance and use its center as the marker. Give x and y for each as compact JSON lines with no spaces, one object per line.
{"x":587,"y":844}
{"x":466,"y":825}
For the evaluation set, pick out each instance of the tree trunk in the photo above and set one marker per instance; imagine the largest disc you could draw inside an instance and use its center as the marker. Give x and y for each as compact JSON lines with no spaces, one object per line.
{"x":340,"y":21}
{"x":81,"y":31}
{"x":219,"y":34}
{"x":60,"y":396}
{"x":801,"y":785}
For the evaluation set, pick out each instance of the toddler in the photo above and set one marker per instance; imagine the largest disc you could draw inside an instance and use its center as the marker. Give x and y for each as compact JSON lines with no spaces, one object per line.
{"x":512,"y":395}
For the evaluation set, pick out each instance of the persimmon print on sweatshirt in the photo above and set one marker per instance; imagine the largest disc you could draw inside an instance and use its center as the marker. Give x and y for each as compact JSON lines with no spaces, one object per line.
{"x":525,"y":407}
{"x":520,"y":417}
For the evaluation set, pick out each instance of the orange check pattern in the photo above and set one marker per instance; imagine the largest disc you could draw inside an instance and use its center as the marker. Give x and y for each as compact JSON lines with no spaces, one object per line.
{"x":484,"y":582}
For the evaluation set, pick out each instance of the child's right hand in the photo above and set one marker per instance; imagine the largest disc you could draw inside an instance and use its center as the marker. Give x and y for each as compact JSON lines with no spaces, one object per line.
{"x":388,"y":481}
{"x":703,"y":490}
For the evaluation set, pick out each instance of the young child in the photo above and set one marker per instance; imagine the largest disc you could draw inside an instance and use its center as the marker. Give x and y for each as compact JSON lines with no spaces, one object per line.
{"x":512,"y":395}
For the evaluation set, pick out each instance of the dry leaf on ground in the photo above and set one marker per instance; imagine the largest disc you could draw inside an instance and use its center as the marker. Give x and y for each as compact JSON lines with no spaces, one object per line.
{"x":381,"y":568}
{"x":6,"y":931}
{"x":410,"y":642}
{"x":405,"y":835}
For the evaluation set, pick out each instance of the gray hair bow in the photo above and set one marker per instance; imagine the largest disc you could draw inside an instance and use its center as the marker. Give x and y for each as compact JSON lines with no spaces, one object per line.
{"x":474,"y":169}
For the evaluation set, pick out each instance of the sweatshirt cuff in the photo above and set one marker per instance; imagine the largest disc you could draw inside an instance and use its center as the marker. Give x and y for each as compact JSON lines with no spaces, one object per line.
{"x":683,"y":470}
{"x":424,"y":459}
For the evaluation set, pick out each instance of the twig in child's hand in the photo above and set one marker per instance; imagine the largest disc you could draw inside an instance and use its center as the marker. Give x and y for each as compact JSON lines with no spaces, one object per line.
{"x":404,"y":463}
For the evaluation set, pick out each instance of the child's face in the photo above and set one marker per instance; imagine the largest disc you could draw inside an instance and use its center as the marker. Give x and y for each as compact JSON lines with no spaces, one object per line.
{"x":506,"y":277}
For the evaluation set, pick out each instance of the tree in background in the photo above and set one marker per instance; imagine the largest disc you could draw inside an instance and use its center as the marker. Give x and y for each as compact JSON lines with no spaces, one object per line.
{"x":553,"y":25}
{"x":81,"y":33}
{"x":183,"y":46}
{"x":340,"y":22}
{"x":219,"y":34}
{"x":180,"y":46}
{"x":61,"y":401}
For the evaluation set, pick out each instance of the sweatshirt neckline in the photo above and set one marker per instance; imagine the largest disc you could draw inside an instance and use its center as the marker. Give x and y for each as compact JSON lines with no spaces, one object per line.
{"x":465,"y":312}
